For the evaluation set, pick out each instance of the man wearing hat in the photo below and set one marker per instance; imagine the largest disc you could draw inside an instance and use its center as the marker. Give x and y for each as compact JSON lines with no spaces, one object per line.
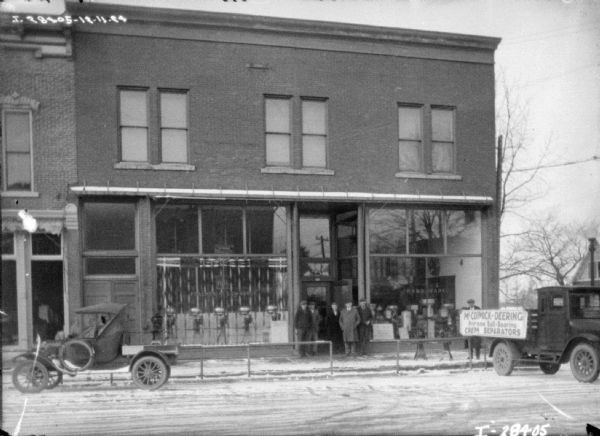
{"x":475,"y":341}
{"x":349,"y":320}
{"x":364,"y":328}
{"x":303,"y":325}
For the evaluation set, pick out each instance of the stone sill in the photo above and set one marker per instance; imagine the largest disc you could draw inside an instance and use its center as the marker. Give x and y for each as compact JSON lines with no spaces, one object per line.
{"x":298,"y":171}
{"x":156,"y":167}
{"x":403,"y":175}
{"x":20,"y":194}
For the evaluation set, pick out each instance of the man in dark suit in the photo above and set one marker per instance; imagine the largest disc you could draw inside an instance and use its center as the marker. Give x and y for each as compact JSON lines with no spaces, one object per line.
{"x":475,"y":341}
{"x":334,"y":332}
{"x":364,"y":328}
{"x":303,"y":325}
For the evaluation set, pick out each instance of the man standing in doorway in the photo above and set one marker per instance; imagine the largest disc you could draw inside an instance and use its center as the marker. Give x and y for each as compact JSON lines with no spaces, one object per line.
{"x":315,"y":323}
{"x":303,"y":325}
{"x":474,"y":342}
{"x":349,"y":320}
{"x":364,"y":328}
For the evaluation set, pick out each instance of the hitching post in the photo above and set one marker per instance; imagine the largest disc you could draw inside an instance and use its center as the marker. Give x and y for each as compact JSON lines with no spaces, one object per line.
{"x":397,"y":356}
{"x":248,"y":359}
{"x":201,"y":362}
{"x":331,"y":357}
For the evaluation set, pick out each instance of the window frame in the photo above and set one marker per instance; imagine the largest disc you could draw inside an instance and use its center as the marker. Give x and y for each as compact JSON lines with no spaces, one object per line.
{"x":146,"y":91}
{"x":325,"y":135}
{"x":185,"y":93}
{"x":106,"y":253}
{"x":452,"y":143}
{"x":289,"y":134}
{"x":5,"y":152}
{"x":422,"y":141}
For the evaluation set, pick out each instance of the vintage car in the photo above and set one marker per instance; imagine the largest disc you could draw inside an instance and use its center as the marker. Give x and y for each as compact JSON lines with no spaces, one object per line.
{"x":98,"y":345}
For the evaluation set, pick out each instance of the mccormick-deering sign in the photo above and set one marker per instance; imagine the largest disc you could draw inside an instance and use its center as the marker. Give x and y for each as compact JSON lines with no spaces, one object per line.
{"x":494,"y":323}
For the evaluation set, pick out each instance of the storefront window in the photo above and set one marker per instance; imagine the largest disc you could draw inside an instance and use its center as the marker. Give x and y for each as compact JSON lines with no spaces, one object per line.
{"x":177,"y":229}
{"x":387,"y":231}
{"x":463,"y":231}
{"x":222,"y":231}
{"x":10,"y":322}
{"x":266,"y":231}
{"x":314,"y":237}
{"x":425,"y":234}
{"x":109,"y":226}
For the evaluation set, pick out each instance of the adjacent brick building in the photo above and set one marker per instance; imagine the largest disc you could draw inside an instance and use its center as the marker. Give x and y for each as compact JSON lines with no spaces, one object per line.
{"x":229,"y":166}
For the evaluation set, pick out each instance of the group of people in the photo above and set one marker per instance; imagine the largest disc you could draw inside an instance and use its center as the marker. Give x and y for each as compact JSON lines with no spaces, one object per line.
{"x":349,"y":328}
{"x":345,"y":328}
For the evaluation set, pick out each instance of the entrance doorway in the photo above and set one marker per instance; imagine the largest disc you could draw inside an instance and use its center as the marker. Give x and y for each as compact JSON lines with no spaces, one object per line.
{"x":47,"y":298}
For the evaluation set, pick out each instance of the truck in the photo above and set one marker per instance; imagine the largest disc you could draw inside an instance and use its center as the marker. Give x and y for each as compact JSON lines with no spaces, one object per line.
{"x":565,"y":327}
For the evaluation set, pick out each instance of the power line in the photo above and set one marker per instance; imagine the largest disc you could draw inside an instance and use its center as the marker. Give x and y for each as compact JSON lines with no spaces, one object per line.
{"x":564,"y":164}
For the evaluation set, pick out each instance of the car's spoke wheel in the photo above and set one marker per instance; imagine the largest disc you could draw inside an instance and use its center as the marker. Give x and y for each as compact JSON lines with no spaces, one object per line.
{"x":30,"y":377}
{"x":149,"y":372}
{"x":54,"y":379}
{"x":504,"y":359}
{"x":549,"y":367}
{"x":585,"y":364}
{"x":76,"y":355}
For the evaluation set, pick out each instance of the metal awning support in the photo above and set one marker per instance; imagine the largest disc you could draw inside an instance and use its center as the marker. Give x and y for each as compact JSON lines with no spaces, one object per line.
{"x":262,"y":194}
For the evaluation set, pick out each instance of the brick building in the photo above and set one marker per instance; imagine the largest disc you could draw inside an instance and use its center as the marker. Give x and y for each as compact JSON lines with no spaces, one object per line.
{"x":229,"y":166}
{"x":37,"y":102}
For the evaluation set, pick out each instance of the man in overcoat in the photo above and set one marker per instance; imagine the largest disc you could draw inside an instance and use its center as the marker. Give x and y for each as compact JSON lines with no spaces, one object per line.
{"x":349,"y":320}
{"x":364,"y":328}
{"x":334,"y":331}
{"x":303,"y":326}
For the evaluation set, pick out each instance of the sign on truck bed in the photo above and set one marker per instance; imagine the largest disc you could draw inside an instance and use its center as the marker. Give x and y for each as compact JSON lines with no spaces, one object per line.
{"x":504,"y":323}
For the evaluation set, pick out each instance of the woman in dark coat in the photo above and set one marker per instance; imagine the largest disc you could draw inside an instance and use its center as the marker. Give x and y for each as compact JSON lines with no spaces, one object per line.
{"x":334,"y":331}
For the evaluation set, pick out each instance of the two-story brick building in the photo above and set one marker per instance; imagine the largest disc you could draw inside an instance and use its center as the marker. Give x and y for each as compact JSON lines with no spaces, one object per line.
{"x":229,"y":166}
{"x":37,"y":104}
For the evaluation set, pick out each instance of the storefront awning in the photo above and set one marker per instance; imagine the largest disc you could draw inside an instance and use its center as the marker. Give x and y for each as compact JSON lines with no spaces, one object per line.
{"x":261,"y":194}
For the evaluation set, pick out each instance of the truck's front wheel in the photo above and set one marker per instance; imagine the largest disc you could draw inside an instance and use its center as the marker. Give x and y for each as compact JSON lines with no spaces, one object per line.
{"x":504,"y":358}
{"x":585,"y":362}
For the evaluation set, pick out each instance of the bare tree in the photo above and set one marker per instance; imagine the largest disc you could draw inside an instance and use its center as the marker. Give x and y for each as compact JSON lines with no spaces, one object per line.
{"x":548,"y":252}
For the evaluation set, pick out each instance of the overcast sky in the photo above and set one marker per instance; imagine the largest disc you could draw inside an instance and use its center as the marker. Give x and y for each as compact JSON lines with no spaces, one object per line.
{"x":550,"y":51}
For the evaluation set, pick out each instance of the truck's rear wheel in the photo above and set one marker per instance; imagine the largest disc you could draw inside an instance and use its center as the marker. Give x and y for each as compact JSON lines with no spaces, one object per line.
{"x":585,"y":362}
{"x":549,"y":368}
{"x":504,"y":358}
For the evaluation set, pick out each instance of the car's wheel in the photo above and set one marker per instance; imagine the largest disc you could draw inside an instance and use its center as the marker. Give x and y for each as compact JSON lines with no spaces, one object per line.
{"x":549,"y":368}
{"x":76,"y":355}
{"x":585,"y":364}
{"x":504,"y":358}
{"x":54,"y":379}
{"x":30,"y":377}
{"x":149,"y":372}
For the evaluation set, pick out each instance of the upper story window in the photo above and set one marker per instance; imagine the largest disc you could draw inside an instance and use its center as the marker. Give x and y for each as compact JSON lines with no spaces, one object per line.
{"x":426,"y":139}
{"x":133,"y":123}
{"x":16,"y":134}
{"x":442,"y":140}
{"x":173,"y":126}
{"x":278,"y":132}
{"x":410,"y":142}
{"x":296,"y":135}
{"x":314,"y":133}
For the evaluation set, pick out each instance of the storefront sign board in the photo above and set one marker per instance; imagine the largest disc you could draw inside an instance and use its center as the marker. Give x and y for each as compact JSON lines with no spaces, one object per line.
{"x":510,"y":324}
{"x":383,"y":332}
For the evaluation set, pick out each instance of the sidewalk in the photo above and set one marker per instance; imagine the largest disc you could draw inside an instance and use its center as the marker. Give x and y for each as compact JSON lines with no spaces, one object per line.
{"x":288,"y":367}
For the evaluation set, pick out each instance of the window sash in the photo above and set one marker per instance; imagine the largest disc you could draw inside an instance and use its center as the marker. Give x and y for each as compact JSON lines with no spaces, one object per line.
{"x":17,"y":152}
{"x":410,"y":155}
{"x":442,"y":157}
{"x":278,"y":149}
{"x":314,"y":151}
{"x":133,"y":118}
{"x":174,"y":145}
{"x":134,"y":144}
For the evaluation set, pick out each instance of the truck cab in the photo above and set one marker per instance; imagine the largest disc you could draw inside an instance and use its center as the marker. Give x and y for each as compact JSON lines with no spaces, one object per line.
{"x":564,"y":328}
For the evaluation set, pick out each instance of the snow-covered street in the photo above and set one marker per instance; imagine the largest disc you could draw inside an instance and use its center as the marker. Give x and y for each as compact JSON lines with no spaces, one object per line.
{"x":424,"y":402}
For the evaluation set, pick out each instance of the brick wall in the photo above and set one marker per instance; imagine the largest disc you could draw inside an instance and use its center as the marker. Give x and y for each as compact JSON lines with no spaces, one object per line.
{"x":50,"y":81}
{"x":226,"y":112}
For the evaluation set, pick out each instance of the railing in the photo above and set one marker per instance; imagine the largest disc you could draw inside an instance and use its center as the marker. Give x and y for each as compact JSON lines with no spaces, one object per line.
{"x":249,"y":346}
